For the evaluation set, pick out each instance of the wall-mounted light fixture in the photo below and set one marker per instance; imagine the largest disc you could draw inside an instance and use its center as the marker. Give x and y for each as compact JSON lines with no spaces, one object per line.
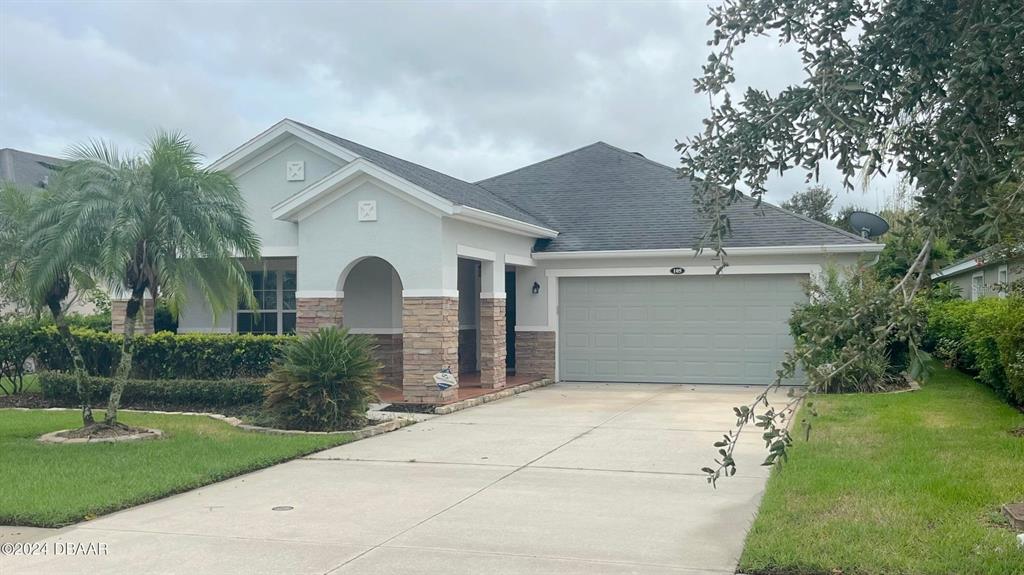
{"x":536,"y":288}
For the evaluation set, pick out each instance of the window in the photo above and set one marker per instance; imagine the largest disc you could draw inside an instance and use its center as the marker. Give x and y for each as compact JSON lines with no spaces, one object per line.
{"x":275,"y":297}
{"x":1002,"y":280}
{"x":977,"y":285}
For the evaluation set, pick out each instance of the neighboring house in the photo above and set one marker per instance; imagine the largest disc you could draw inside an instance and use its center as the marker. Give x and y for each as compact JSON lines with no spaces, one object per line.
{"x":986,"y":273}
{"x":579,"y":267}
{"x":27,"y":170}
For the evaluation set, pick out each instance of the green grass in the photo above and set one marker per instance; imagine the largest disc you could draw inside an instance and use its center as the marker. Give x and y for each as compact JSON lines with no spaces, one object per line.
{"x":31,"y":383}
{"x":55,"y":485}
{"x":896,"y":483}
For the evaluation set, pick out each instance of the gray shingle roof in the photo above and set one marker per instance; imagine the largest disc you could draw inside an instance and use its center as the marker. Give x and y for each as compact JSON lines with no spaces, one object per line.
{"x":449,"y":188}
{"x":600,"y":197}
{"x":26,"y":169}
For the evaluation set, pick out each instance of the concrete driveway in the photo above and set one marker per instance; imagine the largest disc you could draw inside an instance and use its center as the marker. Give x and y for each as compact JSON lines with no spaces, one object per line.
{"x":572,"y":478}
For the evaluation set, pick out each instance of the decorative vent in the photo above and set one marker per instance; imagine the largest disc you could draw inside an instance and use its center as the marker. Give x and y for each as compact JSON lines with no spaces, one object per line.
{"x":368,"y":211}
{"x":295,"y":171}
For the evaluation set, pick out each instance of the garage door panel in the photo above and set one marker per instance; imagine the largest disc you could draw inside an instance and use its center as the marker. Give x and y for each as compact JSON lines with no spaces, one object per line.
{"x":706,"y":329}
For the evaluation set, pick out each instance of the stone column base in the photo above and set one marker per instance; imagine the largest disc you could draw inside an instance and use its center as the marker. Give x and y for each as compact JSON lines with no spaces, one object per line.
{"x":389,"y":354}
{"x":535,"y":353}
{"x":430,"y":342}
{"x":492,"y":343}
{"x":313,"y":313}
{"x":143,"y":322}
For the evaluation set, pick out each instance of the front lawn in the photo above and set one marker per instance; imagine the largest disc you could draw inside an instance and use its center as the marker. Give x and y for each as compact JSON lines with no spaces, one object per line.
{"x":54,"y":485}
{"x":901,"y":483}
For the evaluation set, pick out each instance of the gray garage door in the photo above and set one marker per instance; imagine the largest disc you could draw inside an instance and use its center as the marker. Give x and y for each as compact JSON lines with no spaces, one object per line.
{"x":698,"y":329}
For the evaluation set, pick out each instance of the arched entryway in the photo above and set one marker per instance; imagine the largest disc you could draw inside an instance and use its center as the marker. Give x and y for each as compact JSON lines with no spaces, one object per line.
{"x":372,"y":305}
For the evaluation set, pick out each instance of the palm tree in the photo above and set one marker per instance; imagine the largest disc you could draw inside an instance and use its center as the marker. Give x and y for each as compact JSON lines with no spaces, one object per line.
{"x":26,"y":218}
{"x":168,"y":224}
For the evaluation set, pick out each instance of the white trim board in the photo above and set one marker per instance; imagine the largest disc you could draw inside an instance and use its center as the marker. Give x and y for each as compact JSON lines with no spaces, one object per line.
{"x":452,"y":293}
{"x":375,"y":330}
{"x":269,"y":136}
{"x":514,"y":260}
{"x":690,"y":271}
{"x":309,"y":294}
{"x":708,"y":253}
{"x":474,"y":253}
{"x":956,"y":269}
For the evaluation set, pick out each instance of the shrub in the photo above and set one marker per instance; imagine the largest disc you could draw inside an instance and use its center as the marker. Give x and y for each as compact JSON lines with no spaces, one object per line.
{"x":168,"y":394}
{"x":100,"y":350}
{"x":165,"y":355}
{"x":18,"y":342}
{"x":324,"y":383}
{"x":95,"y":322}
{"x":825,"y":326}
{"x":984,"y":338}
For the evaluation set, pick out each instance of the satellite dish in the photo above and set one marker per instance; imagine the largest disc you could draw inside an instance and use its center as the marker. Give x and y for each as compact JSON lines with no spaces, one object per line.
{"x":868,"y":225}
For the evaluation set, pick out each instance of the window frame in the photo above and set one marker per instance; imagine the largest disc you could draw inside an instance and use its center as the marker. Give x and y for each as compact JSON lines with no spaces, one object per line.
{"x":278,"y":310}
{"x":1002,"y":278}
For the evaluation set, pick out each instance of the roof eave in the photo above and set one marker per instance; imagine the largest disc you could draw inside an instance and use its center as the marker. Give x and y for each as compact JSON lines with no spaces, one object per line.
{"x":738,"y":251}
{"x":492,"y":220}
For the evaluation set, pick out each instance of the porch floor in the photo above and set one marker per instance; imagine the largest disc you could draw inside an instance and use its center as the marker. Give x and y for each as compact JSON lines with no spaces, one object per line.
{"x":469,"y":387}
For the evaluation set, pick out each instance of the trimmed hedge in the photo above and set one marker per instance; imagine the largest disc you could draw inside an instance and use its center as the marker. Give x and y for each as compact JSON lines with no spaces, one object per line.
{"x":984,"y":338}
{"x":165,"y":355}
{"x":167,"y":393}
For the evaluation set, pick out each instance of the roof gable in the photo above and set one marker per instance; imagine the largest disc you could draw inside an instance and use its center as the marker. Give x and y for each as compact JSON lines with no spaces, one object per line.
{"x":601,"y":197}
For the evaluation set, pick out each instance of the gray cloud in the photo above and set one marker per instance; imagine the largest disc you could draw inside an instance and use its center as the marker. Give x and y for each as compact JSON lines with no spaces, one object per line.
{"x":469,"y":89}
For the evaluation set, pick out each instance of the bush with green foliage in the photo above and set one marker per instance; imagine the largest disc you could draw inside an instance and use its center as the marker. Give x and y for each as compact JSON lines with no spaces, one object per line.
{"x":984,"y":338}
{"x":166,"y":355}
{"x":96,"y":322}
{"x":192,"y":394}
{"x":18,"y":342}
{"x":823,"y":328}
{"x":325,"y":382}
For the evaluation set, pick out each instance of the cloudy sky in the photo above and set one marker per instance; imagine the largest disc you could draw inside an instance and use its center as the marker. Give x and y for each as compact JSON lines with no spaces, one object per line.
{"x":470,"y":89}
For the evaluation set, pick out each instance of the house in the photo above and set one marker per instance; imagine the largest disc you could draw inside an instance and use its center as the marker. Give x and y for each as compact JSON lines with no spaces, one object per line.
{"x":33,"y":171}
{"x":578,"y":267}
{"x":986,"y":273}
{"x":27,"y":169}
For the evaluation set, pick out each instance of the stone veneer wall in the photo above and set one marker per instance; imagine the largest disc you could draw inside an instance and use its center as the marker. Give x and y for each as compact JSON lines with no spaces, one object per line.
{"x":430,"y":341}
{"x":313,"y":313}
{"x":143,"y":322}
{"x":492,"y":342}
{"x":535,"y":353}
{"x":389,"y":354}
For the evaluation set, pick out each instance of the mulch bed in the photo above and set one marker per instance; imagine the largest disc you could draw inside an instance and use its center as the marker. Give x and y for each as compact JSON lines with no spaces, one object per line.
{"x":410,"y":408}
{"x":29,"y":400}
{"x":102,"y":431}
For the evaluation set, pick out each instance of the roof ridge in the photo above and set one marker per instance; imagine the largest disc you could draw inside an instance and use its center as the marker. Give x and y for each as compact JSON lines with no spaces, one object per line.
{"x":544,"y":161}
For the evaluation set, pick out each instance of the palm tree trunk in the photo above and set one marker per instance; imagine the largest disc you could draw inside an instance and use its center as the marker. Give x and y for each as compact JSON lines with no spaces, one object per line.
{"x":81,"y":375}
{"x":124,"y":367}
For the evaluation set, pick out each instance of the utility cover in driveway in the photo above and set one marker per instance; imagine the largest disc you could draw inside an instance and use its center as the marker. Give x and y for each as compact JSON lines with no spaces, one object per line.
{"x":698,"y":329}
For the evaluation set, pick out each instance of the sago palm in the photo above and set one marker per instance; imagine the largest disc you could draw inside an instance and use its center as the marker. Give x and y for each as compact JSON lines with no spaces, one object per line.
{"x":169,"y":224}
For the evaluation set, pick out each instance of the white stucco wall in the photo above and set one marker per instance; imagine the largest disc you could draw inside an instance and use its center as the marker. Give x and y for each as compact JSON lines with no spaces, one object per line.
{"x":472,"y":239}
{"x":990,"y":278}
{"x":263,"y":184}
{"x":406,"y":235}
{"x":373,"y":297}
